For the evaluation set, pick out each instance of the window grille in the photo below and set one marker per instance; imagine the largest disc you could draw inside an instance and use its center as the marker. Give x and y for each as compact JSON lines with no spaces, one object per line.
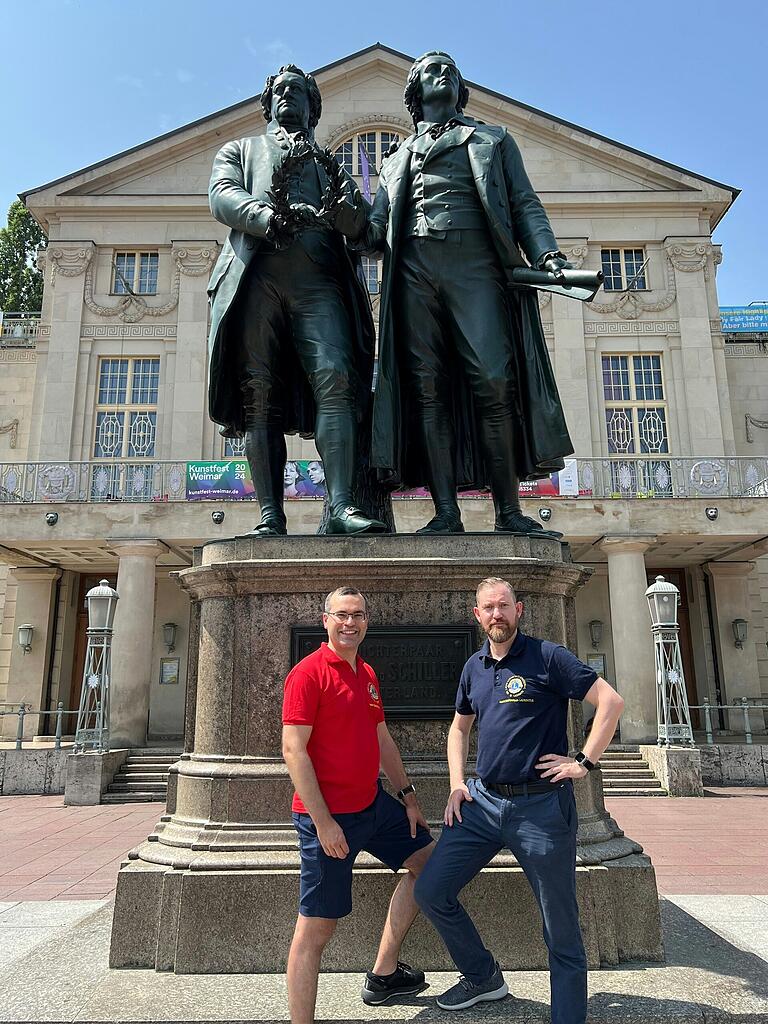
{"x":126,"y":408}
{"x":636,"y":423}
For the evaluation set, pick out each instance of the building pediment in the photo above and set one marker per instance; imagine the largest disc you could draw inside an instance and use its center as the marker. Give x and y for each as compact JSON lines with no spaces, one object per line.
{"x":364,"y":91}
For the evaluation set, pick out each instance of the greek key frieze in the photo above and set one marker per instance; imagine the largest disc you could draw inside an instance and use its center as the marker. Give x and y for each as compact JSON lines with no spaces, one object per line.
{"x":619,"y":327}
{"x":158,"y":332}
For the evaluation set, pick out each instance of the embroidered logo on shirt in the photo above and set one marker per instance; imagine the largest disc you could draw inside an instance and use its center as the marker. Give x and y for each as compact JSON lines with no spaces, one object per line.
{"x":373,"y":692}
{"x":514,"y":686}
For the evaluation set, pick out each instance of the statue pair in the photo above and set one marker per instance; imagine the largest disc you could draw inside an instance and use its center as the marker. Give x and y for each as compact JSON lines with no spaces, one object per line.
{"x":465,"y":393}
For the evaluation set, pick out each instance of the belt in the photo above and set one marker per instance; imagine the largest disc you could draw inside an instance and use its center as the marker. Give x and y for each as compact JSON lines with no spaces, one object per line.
{"x":521,"y":789}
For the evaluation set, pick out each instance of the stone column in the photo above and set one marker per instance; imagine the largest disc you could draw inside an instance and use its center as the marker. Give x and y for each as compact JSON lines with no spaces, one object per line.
{"x":28,"y":673}
{"x":132,"y":642}
{"x":70,"y":269}
{"x":193,"y":261}
{"x":707,"y":402}
{"x":571,"y":357}
{"x":632,"y":644}
{"x":738,"y":666}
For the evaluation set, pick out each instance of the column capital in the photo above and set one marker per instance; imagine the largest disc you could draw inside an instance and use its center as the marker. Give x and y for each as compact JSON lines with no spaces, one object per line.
{"x":733,"y":569}
{"x":624,"y":545}
{"x":138,"y":548}
{"x":35,"y":573}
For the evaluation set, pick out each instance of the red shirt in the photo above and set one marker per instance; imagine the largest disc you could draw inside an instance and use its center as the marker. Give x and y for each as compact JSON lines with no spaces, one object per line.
{"x":343,"y":706}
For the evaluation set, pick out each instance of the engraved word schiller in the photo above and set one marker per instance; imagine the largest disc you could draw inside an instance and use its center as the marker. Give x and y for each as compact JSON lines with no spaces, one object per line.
{"x":418,"y":666}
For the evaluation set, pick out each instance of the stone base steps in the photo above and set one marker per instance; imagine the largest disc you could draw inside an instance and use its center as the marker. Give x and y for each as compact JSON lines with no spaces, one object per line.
{"x":143,"y":778}
{"x":625,"y":773}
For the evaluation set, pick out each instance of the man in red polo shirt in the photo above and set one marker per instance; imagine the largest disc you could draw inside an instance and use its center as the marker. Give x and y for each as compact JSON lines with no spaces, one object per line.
{"x":335,"y":741}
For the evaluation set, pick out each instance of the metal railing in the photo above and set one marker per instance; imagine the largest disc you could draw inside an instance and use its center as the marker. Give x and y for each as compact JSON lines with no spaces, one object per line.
{"x":144,"y":480}
{"x":24,"y":710}
{"x":19,"y":330}
{"x":745,"y":705}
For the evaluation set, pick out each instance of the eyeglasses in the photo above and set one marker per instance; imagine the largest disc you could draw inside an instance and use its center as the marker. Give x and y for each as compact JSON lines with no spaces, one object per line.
{"x":355,"y":616}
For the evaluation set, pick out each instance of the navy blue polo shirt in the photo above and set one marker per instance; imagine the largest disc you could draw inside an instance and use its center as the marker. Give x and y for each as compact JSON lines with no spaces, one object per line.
{"x":521,"y":704}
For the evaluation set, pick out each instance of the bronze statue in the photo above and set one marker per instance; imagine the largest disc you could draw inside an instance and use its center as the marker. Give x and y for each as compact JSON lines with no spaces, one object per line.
{"x":465,"y":395}
{"x":291,"y":341}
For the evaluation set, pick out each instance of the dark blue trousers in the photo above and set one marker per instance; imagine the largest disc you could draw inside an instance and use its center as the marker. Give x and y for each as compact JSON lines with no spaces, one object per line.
{"x":540,"y":830}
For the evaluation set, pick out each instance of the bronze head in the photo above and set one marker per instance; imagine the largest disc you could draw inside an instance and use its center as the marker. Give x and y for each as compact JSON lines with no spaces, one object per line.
{"x":306,"y":108}
{"x":412,"y":96}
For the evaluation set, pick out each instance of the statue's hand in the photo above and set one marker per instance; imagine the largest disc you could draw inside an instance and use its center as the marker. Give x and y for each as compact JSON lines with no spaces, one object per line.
{"x":304,"y":214}
{"x":554,"y":262}
{"x":281,"y":231}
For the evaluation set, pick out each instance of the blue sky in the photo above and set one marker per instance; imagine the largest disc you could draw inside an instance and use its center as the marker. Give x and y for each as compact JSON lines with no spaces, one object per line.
{"x":683,"y":80}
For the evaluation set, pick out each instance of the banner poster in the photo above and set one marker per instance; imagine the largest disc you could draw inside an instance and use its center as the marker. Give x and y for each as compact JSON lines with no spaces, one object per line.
{"x":230,"y":479}
{"x":564,"y":484}
{"x":211,"y":481}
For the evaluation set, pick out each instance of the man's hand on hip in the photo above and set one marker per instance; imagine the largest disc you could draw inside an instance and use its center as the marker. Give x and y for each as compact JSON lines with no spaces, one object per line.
{"x":332,"y":838}
{"x":415,"y":815}
{"x":455,"y":800}
{"x":556,"y":768}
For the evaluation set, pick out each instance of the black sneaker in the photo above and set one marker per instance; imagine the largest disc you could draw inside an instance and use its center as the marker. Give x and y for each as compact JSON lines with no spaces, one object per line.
{"x":465,"y":994}
{"x":402,"y":982}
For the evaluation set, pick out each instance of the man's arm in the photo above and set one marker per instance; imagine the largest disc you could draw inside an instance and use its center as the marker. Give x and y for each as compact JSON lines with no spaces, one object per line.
{"x":302,"y":772}
{"x":458,"y":748}
{"x":373,"y":239}
{"x":608,"y":706}
{"x":351,"y":215}
{"x":532,"y":228}
{"x":392,"y":766}
{"x":230,"y":202}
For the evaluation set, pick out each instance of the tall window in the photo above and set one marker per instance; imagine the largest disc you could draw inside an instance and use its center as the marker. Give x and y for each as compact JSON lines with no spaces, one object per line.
{"x":375,"y":144}
{"x":126,"y":409}
{"x":134,"y":272}
{"x":234,"y":447}
{"x":623,"y":268}
{"x":371,"y":274}
{"x":636,"y":422}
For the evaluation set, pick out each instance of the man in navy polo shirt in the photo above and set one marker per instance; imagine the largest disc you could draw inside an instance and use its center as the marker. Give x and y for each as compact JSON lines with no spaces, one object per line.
{"x":335,"y":739}
{"x":518,"y":688}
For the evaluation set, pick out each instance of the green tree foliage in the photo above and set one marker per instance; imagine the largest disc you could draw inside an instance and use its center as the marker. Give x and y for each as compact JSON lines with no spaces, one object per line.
{"x":21,"y":283}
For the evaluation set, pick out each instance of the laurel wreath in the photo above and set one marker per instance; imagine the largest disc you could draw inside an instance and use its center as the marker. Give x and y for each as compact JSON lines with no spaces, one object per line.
{"x":285,"y":174}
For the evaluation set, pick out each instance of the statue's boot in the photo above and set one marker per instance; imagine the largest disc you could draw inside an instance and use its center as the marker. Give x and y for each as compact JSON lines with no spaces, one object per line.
{"x":439,"y":446}
{"x":509,"y":515}
{"x":336,"y":436}
{"x":266,"y":453}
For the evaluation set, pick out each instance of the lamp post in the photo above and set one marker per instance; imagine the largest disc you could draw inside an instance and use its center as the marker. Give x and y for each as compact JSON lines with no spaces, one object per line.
{"x":672,"y":711}
{"x":92,"y":731}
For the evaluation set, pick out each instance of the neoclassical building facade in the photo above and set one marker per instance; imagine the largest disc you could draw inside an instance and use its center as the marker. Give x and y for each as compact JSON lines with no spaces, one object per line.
{"x":103,"y":406}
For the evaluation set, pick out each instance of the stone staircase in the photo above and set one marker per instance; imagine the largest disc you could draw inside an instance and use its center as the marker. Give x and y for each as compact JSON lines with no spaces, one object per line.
{"x":143,"y":777}
{"x":625,"y":773}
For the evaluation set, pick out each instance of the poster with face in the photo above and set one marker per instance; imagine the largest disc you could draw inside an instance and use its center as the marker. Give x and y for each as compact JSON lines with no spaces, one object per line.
{"x":230,"y":479}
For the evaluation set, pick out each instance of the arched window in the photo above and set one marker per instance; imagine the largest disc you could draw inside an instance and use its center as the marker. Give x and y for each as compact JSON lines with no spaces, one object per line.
{"x":372,"y":145}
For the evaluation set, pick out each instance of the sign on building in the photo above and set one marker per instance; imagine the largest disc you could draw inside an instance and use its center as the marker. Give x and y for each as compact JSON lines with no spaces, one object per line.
{"x":744,"y":319}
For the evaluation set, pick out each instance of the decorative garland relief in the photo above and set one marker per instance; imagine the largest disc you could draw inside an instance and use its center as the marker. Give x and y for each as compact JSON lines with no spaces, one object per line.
{"x":188,"y":260}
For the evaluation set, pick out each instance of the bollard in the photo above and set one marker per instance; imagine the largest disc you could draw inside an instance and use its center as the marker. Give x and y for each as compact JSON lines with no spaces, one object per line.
{"x":20,"y":727}
{"x":708,"y":721}
{"x":745,"y":709}
{"x":59,"y":715}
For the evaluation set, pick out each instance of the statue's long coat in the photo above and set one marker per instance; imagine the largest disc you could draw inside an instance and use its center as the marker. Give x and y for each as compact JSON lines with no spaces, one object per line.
{"x":241,"y":177}
{"x":516,"y":220}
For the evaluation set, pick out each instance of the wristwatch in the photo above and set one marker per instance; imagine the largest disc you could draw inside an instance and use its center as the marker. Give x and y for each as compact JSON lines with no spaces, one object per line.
{"x":403,"y":793}
{"x":581,"y":758}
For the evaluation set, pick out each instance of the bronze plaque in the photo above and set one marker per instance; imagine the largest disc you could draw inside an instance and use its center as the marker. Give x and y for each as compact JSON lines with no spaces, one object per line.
{"x":418,"y":666}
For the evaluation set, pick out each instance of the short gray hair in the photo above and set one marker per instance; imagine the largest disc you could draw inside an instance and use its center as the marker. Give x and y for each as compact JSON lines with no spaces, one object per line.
{"x":344,"y":592}
{"x":493,"y":581}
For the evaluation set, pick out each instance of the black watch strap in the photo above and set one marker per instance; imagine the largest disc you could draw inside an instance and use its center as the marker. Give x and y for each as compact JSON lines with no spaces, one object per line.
{"x":403,"y":793}
{"x":581,"y":758}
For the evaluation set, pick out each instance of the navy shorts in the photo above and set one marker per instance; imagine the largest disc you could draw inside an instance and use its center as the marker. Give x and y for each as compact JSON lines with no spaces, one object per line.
{"x":382,"y":829}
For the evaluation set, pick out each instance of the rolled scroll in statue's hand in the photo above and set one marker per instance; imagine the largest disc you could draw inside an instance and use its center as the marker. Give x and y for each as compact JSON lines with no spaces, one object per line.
{"x":576,"y":284}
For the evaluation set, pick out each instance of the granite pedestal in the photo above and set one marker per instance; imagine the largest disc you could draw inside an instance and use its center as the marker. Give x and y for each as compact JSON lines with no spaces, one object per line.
{"x":215,"y":888}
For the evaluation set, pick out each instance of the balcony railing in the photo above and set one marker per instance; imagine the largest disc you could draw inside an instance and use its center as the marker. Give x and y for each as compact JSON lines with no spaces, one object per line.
{"x":19,"y":330}
{"x":623,"y":479}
